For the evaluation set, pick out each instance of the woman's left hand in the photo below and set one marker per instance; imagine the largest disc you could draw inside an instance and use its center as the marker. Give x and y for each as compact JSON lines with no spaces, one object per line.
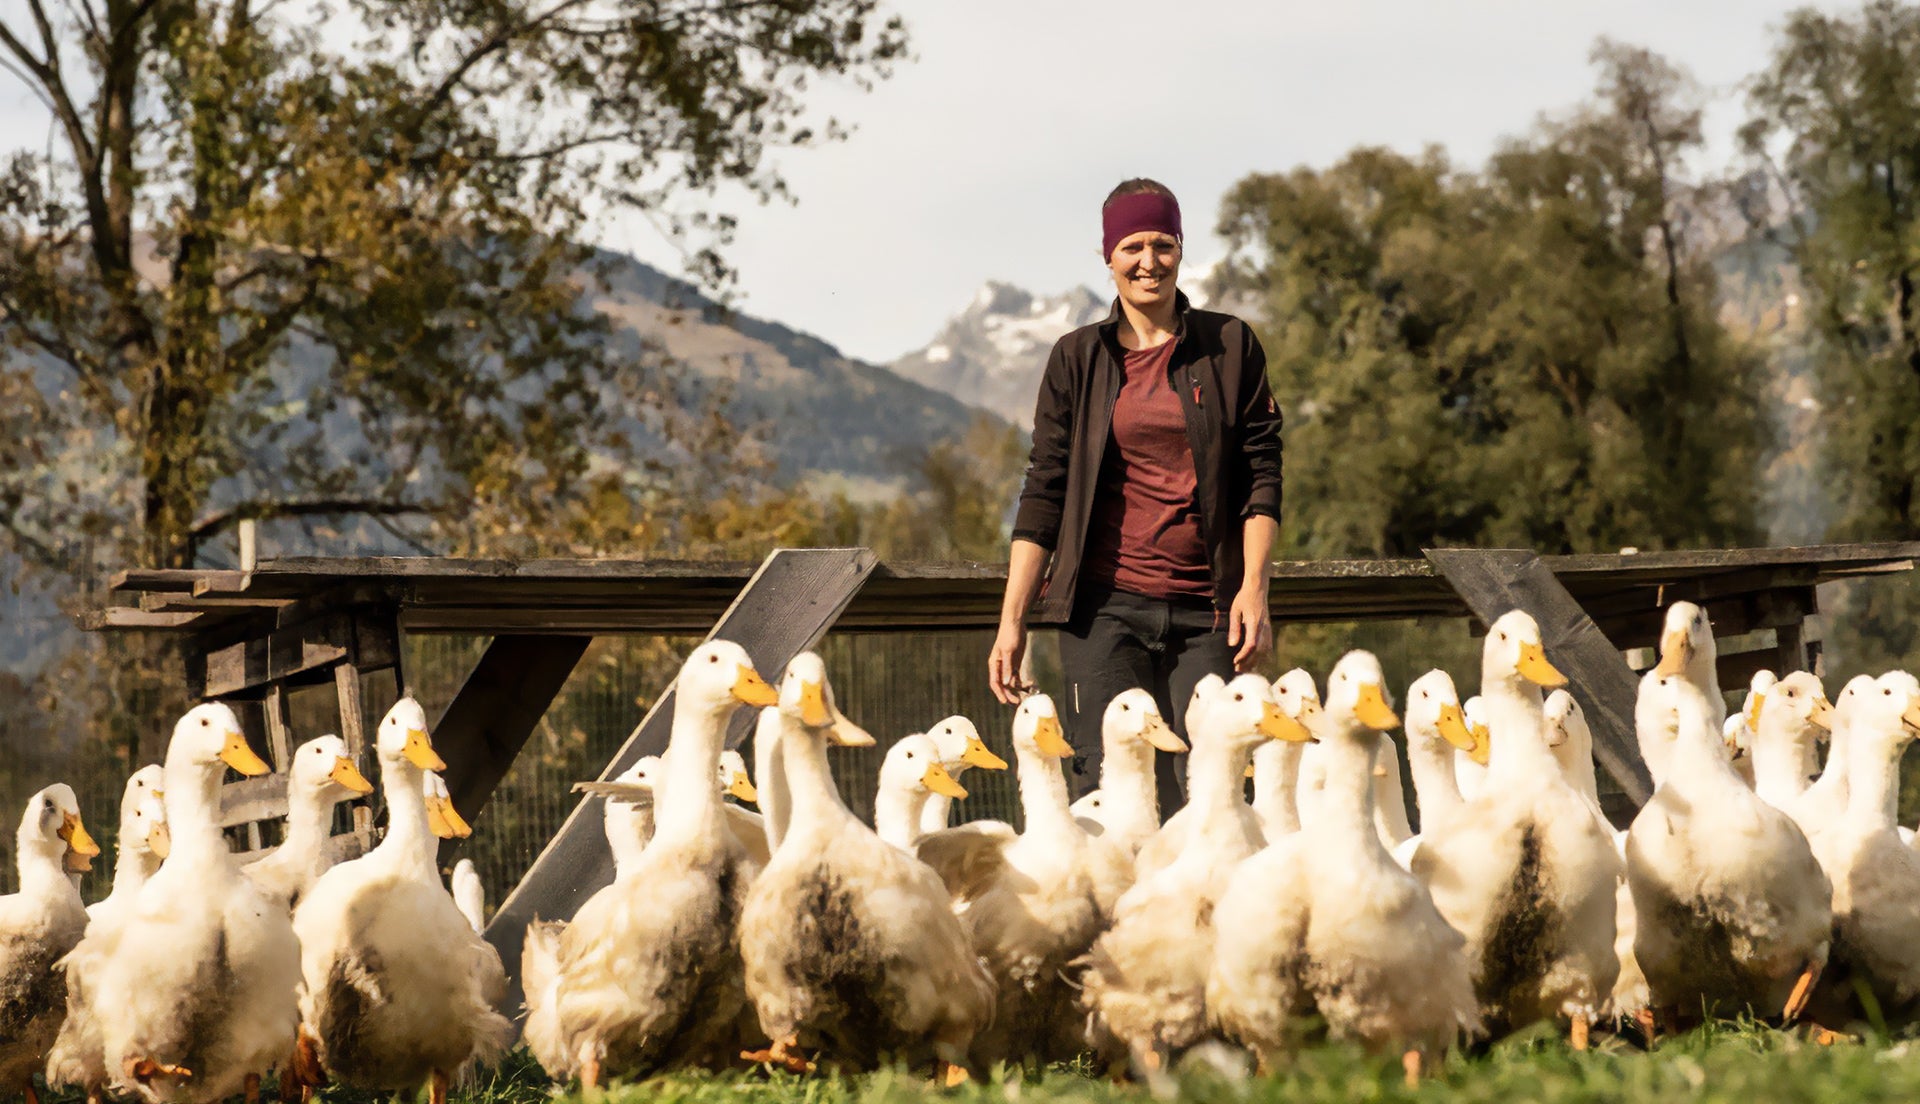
{"x":1249,"y":627}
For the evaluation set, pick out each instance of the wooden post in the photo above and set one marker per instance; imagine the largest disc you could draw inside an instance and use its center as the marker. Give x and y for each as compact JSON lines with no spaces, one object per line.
{"x":346,"y":681}
{"x":279,"y":737}
{"x":1792,"y":652}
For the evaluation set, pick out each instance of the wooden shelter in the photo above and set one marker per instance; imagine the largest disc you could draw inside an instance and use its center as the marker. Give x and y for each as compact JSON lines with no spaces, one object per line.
{"x":258,"y":634}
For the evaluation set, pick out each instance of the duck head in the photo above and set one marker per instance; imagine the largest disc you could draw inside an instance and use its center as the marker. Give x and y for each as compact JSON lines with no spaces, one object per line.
{"x":1357,"y":696}
{"x":641,"y":774}
{"x":1686,"y":642}
{"x":1036,"y":728}
{"x":443,"y":820}
{"x":1296,"y":695}
{"x":1474,"y":712}
{"x":1565,"y":720}
{"x":1513,"y":653}
{"x":806,"y":697}
{"x":402,"y":740}
{"x":1883,"y":710}
{"x":734,"y":779}
{"x":718,"y":677}
{"x":51,"y":827}
{"x":1133,"y":715}
{"x":1434,"y":713}
{"x":961,"y":746}
{"x":1797,"y":702}
{"x":915,"y":764}
{"x":1204,"y":692}
{"x":209,"y":734}
{"x":322,"y":766}
{"x":147,"y":827}
{"x":1241,"y":713}
{"x":1758,"y":687}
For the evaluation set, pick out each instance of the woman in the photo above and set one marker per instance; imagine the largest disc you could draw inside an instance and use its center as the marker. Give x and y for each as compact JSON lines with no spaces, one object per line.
{"x":1152,"y":497}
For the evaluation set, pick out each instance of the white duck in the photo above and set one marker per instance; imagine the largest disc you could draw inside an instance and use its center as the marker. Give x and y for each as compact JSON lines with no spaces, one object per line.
{"x":1876,"y":877}
{"x":38,"y":926}
{"x":1325,"y":922}
{"x":142,"y":843}
{"x":1436,"y":730}
{"x":960,"y":744}
{"x":1737,"y":905}
{"x":193,"y":987}
{"x":1529,"y":872}
{"x":1090,"y":809}
{"x":1390,"y":800}
{"x":1131,"y":730}
{"x":469,"y":894}
{"x":1788,"y":721}
{"x":390,"y":994}
{"x":647,"y":975}
{"x":1027,"y":901}
{"x":1147,"y":975}
{"x":849,"y":944}
{"x":628,"y":811}
{"x":1470,"y":764}
{"x":1687,"y":651}
{"x":322,"y":776}
{"x":1276,"y":763}
{"x":912,"y":772}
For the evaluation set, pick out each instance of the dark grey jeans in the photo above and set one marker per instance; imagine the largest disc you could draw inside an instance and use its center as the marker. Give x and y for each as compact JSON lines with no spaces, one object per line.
{"x":1117,"y":641}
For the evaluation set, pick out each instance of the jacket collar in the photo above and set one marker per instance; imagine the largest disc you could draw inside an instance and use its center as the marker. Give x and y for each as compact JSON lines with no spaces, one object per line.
{"x":1111,"y":325}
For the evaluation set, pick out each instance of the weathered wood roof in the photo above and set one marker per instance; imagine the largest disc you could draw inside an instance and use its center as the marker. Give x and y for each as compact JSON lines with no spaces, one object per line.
{"x":1744,"y":588}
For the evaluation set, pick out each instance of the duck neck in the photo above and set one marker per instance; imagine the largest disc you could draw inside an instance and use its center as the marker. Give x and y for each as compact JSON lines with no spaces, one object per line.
{"x":816,"y":798}
{"x":1575,"y":758}
{"x":42,"y":870}
{"x":1698,"y":758}
{"x":1131,"y":795}
{"x":937,"y":810}
{"x":1517,"y":720}
{"x":1043,"y":795}
{"x":686,"y":802}
{"x":770,"y":768}
{"x":629,"y":828}
{"x":1835,"y":776}
{"x":1873,"y":770}
{"x":1346,"y":802}
{"x":193,"y":809}
{"x":409,"y":844}
{"x":1435,"y":787}
{"x":897,"y":810}
{"x":309,"y":819}
{"x":1276,"y":776}
{"x":133,"y":864}
{"x":1779,"y":760}
{"x":1216,"y":775}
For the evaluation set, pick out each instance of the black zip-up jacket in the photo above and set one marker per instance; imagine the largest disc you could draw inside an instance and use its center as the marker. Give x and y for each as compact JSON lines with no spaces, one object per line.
{"x":1233,"y":426}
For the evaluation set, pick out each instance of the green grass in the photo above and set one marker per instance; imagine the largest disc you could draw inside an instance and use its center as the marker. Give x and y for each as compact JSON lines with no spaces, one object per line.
{"x":1732,"y":1063}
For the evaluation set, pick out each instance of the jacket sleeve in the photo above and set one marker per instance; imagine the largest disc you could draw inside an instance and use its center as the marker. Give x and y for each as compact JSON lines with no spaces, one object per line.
{"x":1260,"y":449}
{"x":1043,"y":497}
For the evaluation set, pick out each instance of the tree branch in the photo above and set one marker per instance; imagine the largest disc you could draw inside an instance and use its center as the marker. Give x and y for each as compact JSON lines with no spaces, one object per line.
{"x":264,"y":509}
{"x":488,"y":46}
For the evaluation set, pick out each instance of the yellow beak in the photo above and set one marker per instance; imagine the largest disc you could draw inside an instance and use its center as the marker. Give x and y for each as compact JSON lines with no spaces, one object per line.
{"x":847,"y":734}
{"x":1482,"y":749}
{"x":1822,"y":715}
{"x":344,"y":773}
{"x":1754,"y":704}
{"x":1533,"y":667}
{"x":741,"y":786}
{"x":750,"y":689}
{"x":939,"y":781}
{"x":1279,"y":726}
{"x":437,"y":819}
{"x":419,"y":751}
{"x":236,"y":754}
{"x":979,"y":755}
{"x":456,"y":823}
{"x":1453,"y":727}
{"x":1161,"y":735}
{"x":1676,"y":651}
{"x":1049,"y":738}
{"x":159,"y":840}
{"x":1911,"y":718}
{"x":1372,"y":710}
{"x":1249,"y":771}
{"x":75,"y":833}
{"x":813,"y":705}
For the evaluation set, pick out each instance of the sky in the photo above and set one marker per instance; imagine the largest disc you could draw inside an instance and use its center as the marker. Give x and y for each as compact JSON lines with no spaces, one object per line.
{"x":986,"y":156}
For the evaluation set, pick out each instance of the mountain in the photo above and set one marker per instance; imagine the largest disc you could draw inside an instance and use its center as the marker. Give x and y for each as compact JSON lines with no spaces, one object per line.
{"x":991,"y":354}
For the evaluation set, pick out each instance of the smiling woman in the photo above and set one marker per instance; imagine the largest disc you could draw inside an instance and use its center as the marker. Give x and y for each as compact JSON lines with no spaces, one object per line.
{"x":1152,"y":497}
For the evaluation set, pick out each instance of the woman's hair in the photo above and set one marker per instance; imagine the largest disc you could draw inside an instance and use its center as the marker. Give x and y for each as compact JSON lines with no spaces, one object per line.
{"x":1138,"y":185}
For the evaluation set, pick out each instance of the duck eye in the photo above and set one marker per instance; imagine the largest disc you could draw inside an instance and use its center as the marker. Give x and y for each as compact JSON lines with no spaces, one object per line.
{"x":1124,"y":707}
{"x":1503,"y":636}
{"x":1239,"y":697}
{"x":204,"y":722}
{"x":713,"y":659}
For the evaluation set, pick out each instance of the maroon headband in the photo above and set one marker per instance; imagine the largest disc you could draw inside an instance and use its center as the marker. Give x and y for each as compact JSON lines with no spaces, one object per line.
{"x":1130,"y":214}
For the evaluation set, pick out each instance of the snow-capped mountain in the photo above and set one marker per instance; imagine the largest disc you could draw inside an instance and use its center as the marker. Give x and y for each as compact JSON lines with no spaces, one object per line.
{"x":992,"y":353}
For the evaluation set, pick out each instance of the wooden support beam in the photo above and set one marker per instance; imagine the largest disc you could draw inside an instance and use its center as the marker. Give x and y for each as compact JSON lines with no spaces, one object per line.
{"x":784,"y":609}
{"x":1494,"y":581}
{"x":346,"y":684}
{"x":279,"y":733}
{"x":496,"y":709}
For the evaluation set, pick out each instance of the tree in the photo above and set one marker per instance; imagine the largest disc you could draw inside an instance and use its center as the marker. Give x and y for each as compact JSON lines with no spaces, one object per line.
{"x":1524,"y":355}
{"x":246,"y":242}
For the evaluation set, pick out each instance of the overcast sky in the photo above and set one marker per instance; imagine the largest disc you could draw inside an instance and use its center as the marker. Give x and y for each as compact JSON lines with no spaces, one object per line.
{"x":986,"y":156}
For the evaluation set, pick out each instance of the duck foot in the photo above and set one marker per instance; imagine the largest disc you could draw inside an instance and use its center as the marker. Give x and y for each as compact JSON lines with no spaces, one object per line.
{"x":950,"y":1074}
{"x":143,"y":1070}
{"x":437,"y":1087}
{"x":1823,"y":1037}
{"x":1802,"y":992}
{"x":1577,"y":1033}
{"x":1649,"y":1027}
{"x":250,"y":1088}
{"x":590,"y":1074}
{"x":781,"y":1054}
{"x":1411,"y":1062}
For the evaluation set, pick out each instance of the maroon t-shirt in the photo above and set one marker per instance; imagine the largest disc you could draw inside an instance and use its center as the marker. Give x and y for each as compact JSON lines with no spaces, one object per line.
{"x":1144,"y":535}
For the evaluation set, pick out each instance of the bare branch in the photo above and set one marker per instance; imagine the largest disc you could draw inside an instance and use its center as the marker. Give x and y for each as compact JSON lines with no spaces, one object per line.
{"x":486,"y":47}
{"x":263,"y":509}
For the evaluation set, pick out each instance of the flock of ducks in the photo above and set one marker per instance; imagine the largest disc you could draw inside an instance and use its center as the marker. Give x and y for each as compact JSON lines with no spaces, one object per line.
{"x":1752,"y":881}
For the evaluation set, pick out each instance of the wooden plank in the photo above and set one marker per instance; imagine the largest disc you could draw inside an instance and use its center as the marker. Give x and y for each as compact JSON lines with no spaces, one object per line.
{"x":279,"y":733}
{"x":784,"y":609}
{"x":251,"y":799}
{"x":253,"y":663}
{"x":495,"y":710}
{"x":130,"y":618}
{"x":1493,"y":582}
{"x":353,"y":730}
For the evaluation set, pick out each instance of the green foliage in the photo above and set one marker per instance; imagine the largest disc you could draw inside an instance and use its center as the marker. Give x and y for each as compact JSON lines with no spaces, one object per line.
{"x":1522,"y":355}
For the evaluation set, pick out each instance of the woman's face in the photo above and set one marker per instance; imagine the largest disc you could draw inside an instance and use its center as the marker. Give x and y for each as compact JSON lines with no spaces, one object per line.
{"x":1145,"y":266}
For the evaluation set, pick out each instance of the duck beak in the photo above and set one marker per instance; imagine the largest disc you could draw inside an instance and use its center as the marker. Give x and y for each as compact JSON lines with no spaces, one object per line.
{"x":236,"y":754}
{"x":813,"y":705}
{"x":1248,"y":773}
{"x":1277,"y":725}
{"x":1754,"y":704}
{"x":1482,"y":749}
{"x":741,"y":786}
{"x":1676,"y":651}
{"x":939,"y":781}
{"x":1372,"y":709}
{"x":456,"y":823}
{"x":1822,"y":715}
{"x":1556,"y":733}
{"x":1161,"y":735}
{"x":419,"y":751}
{"x":845,"y":733}
{"x":160,"y":840}
{"x":1911,"y":718}
{"x":345,"y":774}
{"x":1051,"y":740}
{"x":979,"y":755}
{"x":80,"y":847}
{"x":1453,"y":727}
{"x":750,"y":689}
{"x":1533,"y":667}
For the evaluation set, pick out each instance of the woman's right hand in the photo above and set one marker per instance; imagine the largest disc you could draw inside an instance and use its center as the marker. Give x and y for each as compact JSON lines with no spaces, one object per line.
{"x":1003,"y":662}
